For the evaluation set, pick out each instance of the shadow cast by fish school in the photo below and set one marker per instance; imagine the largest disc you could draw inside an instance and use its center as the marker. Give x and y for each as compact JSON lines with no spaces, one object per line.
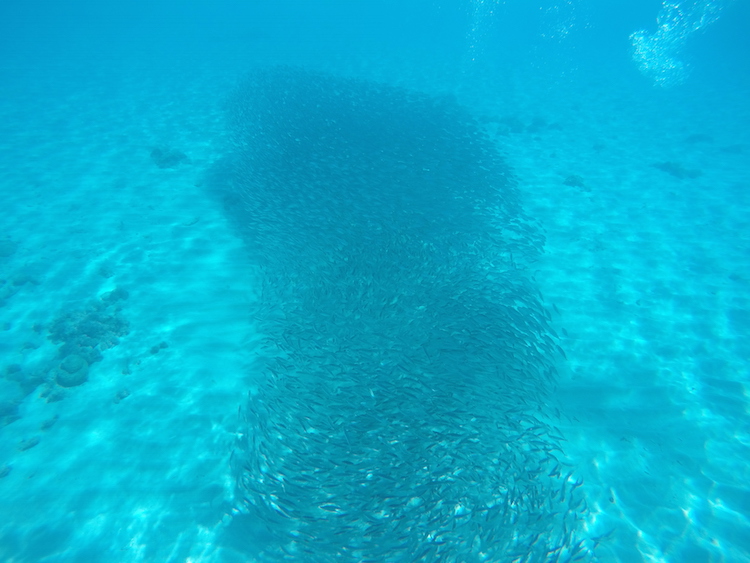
{"x":401,"y":410}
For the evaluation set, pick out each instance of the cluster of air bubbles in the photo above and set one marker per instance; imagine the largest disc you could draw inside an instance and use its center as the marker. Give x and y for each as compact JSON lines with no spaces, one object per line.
{"x":559,"y":20}
{"x":481,"y":16}
{"x":658,"y":54}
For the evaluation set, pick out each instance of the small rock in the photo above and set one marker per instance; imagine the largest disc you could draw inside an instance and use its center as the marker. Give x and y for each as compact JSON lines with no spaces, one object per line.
{"x":7,"y":248}
{"x":167,"y":158}
{"x":24,"y":445}
{"x":73,"y":363}
{"x":49,"y":423}
{"x":116,"y":294}
{"x":106,"y":271}
{"x":574,"y":181}
{"x":73,"y":371}
{"x":23,"y":279}
{"x":8,"y":411}
{"x":677,"y":170}
{"x":121,"y":394}
{"x":55,"y":396}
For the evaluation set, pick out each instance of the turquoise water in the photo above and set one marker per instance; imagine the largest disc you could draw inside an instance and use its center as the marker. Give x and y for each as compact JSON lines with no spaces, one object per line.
{"x":424,"y":281}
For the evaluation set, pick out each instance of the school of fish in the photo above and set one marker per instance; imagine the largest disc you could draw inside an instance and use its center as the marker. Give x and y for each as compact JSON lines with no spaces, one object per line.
{"x":399,"y":409}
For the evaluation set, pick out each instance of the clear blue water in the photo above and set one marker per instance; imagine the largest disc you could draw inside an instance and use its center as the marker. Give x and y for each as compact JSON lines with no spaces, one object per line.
{"x":374,"y":281}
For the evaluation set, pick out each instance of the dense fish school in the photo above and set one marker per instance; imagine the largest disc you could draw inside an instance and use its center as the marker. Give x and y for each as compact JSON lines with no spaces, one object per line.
{"x":399,"y":407}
